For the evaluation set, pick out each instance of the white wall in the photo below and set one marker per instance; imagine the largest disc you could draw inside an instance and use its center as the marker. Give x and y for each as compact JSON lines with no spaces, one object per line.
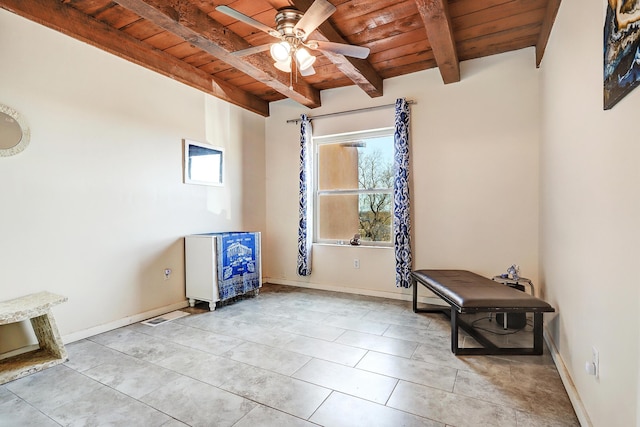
{"x":94,"y":208}
{"x":590,"y":216}
{"x":475,"y":176}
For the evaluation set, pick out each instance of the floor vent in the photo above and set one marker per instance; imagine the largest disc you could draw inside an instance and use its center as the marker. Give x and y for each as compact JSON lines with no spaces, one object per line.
{"x":159,"y":320}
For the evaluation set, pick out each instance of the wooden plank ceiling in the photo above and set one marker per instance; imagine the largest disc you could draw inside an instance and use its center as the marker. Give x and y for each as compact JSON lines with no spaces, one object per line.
{"x":192,"y":42}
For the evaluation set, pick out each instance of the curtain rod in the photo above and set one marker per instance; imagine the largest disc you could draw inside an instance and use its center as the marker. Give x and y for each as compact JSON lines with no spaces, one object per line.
{"x":358,"y":110}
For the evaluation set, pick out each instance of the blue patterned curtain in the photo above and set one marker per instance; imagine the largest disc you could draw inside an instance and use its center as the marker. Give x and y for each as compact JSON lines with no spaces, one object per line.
{"x":305,"y":225}
{"x":401,"y":217}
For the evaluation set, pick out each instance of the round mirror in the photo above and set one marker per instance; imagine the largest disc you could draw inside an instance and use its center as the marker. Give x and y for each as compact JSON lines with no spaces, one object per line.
{"x":14,"y":132}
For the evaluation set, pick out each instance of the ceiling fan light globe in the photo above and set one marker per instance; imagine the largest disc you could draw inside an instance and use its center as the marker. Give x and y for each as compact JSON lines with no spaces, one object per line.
{"x":304,"y":59}
{"x":280,"y":51}
{"x":283,"y":66}
{"x":307,"y":72}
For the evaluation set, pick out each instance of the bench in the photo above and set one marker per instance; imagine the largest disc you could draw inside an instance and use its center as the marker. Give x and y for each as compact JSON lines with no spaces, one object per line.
{"x":36,"y":308}
{"x":466,"y":293}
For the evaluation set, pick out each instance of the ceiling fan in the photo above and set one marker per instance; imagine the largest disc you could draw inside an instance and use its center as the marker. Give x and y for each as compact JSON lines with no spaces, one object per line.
{"x":292,"y":29}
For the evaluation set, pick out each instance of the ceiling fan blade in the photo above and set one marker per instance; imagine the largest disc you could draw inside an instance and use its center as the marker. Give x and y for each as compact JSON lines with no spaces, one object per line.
{"x":309,"y":71}
{"x":341,"y":48}
{"x":251,"y":50}
{"x":319,"y":11}
{"x":247,"y":20}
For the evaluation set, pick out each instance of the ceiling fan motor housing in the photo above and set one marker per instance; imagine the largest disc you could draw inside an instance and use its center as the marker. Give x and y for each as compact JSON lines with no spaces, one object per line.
{"x":286,"y":20}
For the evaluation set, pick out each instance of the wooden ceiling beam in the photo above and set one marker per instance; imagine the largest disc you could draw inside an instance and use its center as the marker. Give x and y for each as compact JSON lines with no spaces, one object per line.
{"x":187,"y":21}
{"x":71,"y":22}
{"x":545,"y":32}
{"x":437,"y":22}
{"x":359,"y":71}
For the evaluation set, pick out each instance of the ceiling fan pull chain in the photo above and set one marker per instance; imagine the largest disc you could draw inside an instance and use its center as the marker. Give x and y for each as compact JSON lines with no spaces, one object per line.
{"x":291,"y":80}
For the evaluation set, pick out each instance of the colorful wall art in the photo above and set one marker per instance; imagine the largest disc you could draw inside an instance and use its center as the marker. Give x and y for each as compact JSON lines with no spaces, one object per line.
{"x":621,"y":50}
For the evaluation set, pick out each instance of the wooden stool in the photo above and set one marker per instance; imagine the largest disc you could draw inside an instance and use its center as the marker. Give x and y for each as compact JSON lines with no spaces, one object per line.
{"x":35,"y":307}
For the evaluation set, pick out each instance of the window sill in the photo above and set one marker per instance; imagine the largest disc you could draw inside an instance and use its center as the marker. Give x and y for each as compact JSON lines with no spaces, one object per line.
{"x":347,"y":245}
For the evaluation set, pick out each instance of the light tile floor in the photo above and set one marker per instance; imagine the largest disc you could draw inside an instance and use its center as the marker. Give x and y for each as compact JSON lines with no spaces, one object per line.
{"x":289,"y":357}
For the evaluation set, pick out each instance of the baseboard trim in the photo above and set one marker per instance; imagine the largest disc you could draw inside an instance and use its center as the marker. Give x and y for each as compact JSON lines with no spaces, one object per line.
{"x":86,"y":333}
{"x":354,"y":291}
{"x":569,"y":386}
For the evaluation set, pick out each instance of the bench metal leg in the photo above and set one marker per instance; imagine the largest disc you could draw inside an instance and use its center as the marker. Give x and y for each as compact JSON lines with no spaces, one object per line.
{"x":454,"y":332}
{"x":426,"y":308}
{"x":537,"y":333}
{"x":414,"y":284}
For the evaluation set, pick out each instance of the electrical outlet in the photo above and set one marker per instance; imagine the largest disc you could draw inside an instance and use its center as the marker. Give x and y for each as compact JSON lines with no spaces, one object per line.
{"x":593,"y":367}
{"x":356,"y":263}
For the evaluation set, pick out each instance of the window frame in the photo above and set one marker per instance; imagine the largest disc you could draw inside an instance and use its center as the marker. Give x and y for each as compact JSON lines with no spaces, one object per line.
{"x":342,"y":138}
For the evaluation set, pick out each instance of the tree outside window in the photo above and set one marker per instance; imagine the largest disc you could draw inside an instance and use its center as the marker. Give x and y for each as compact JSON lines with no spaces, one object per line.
{"x":375,"y":172}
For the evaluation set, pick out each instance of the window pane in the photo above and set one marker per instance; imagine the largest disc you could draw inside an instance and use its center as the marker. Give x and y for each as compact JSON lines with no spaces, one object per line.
{"x":338,"y":216}
{"x":343,"y":215}
{"x":375,"y":217}
{"x":338,"y":167}
{"x":375,"y":163}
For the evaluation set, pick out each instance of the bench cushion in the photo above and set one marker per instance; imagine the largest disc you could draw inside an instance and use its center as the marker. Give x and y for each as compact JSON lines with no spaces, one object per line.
{"x":467,"y":292}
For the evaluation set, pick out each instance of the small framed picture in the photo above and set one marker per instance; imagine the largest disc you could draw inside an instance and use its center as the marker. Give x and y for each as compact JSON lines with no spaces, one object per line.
{"x":203,"y":163}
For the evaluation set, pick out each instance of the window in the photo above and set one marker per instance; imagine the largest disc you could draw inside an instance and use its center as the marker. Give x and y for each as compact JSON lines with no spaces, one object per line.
{"x":354,"y":187}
